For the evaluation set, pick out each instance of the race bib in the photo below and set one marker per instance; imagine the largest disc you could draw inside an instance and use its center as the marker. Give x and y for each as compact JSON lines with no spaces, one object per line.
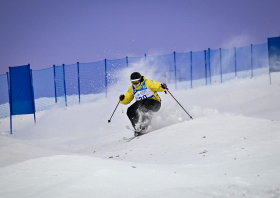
{"x":142,"y":93}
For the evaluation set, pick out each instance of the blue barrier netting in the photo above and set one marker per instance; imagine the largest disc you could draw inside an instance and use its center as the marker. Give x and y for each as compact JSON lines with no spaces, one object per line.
{"x":92,"y":78}
{"x":4,"y":96}
{"x":183,"y":67}
{"x":80,"y":82}
{"x":274,"y":54}
{"x":113,"y":70}
{"x":44,"y":89}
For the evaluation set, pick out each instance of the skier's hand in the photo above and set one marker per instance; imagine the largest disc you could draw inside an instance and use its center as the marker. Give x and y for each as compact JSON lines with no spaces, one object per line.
{"x":164,"y":86}
{"x":121,"y":97}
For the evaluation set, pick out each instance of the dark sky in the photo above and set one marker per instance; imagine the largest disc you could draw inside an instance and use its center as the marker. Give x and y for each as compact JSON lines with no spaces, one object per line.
{"x":47,"y":32}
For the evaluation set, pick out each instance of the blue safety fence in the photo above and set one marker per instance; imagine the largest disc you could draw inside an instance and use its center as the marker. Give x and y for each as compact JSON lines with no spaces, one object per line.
{"x":60,"y":84}
{"x":198,"y":68}
{"x":4,"y":96}
{"x":215,"y":66}
{"x":131,"y":61}
{"x":84,"y":82}
{"x":183,"y":69}
{"x":243,"y":61}
{"x":162,"y":66}
{"x":43,"y":85}
{"x":113,"y":70}
{"x":71,"y":83}
{"x":92,"y":78}
{"x":228,"y":63}
{"x":260,"y":56}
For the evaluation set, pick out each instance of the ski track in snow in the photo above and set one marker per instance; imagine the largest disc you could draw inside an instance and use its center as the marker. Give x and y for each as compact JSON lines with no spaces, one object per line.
{"x":230,"y":149}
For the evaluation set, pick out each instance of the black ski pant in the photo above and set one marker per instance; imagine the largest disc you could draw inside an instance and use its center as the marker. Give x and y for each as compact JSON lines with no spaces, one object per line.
{"x":142,"y":106}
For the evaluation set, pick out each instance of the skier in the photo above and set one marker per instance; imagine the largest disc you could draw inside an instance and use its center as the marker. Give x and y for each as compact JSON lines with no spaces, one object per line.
{"x":147,"y":102}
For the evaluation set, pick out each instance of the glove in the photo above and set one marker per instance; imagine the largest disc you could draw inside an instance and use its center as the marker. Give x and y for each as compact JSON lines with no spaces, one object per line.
{"x":121,"y":97}
{"x":164,"y":86}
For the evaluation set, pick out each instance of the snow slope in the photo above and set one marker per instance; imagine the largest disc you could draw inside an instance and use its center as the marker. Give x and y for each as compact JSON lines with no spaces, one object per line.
{"x":230,"y":149}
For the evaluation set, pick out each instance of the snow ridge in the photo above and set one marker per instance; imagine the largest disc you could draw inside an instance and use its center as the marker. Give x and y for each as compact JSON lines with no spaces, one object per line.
{"x":230,"y":149}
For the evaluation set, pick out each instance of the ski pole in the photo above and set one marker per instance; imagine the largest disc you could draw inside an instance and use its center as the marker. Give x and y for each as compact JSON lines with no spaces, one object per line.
{"x":114,"y":112}
{"x":179,"y":104}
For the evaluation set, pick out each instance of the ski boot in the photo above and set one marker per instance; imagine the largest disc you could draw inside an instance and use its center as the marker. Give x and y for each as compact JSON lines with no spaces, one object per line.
{"x":137,"y":133}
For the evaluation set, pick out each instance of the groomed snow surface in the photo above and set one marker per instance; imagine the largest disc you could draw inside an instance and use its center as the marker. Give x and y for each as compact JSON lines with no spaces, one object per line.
{"x":230,"y":149}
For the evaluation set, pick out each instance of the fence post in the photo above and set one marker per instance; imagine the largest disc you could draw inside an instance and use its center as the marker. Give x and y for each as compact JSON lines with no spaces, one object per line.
{"x":145,"y":59}
{"x":235,"y":62}
{"x":55,"y":94}
{"x":106,"y":78}
{"x":8,"y":85}
{"x":79,"y":88}
{"x":11,"y":108}
{"x":191,"y":69}
{"x":126,"y":61}
{"x":32,"y":90}
{"x":221,"y":65}
{"x":251,"y":60}
{"x":205,"y":67}
{"x":269,"y":63}
{"x":11,"y":122}
{"x":209,"y":55}
{"x":63,"y":66}
{"x":175,"y":70}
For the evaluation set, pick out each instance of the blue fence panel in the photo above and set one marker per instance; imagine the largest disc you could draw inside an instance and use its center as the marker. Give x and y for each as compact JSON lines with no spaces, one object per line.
{"x":260,"y":59}
{"x":59,"y":83}
{"x":243,"y":61}
{"x":208,"y":67}
{"x":228,"y":64}
{"x":162,"y":67}
{"x":113,"y":70}
{"x":274,"y":54}
{"x":4,"y":97}
{"x":21,"y":93}
{"x":198,"y":68}
{"x":215,"y":66}
{"x":135,"y":61}
{"x":43,"y":84}
{"x":4,"y":93}
{"x":71,"y":80}
{"x":183,"y":70}
{"x":92,"y":78}
{"x":183,"y":67}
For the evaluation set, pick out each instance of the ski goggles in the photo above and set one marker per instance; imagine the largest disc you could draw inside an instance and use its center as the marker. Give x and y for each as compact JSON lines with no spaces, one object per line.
{"x":135,"y":82}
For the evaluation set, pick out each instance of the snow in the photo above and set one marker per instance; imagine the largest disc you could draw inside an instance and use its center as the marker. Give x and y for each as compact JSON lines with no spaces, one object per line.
{"x":229,"y":149}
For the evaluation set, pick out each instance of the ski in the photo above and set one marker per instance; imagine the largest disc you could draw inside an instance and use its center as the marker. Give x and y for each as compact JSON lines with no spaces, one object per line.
{"x":128,"y":139}
{"x":137,"y":134}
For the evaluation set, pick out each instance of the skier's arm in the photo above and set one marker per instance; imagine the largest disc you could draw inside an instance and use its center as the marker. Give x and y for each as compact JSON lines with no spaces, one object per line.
{"x":154,"y":85}
{"x":128,"y":97}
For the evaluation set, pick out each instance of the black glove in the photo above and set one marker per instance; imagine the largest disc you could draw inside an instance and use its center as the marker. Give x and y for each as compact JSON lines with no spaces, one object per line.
{"x":121,"y":97}
{"x":164,"y":86}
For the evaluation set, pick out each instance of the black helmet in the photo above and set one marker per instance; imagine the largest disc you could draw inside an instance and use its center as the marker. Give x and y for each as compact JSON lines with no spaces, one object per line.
{"x":136,"y":78}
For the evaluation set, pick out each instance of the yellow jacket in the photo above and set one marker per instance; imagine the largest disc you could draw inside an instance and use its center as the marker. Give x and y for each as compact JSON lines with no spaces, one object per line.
{"x":153,"y":85}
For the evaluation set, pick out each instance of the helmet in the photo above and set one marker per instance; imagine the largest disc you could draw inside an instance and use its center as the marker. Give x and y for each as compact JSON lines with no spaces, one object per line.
{"x":136,"y":78}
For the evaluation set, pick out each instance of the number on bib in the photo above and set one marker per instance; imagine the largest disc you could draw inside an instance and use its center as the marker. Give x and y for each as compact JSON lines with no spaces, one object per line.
{"x":144,"y":97}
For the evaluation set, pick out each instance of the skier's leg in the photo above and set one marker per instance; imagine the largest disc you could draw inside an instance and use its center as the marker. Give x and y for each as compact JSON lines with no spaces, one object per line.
{"x":150,"y":105}
{"x":132,"y":113}
{"x":147,"y":109}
